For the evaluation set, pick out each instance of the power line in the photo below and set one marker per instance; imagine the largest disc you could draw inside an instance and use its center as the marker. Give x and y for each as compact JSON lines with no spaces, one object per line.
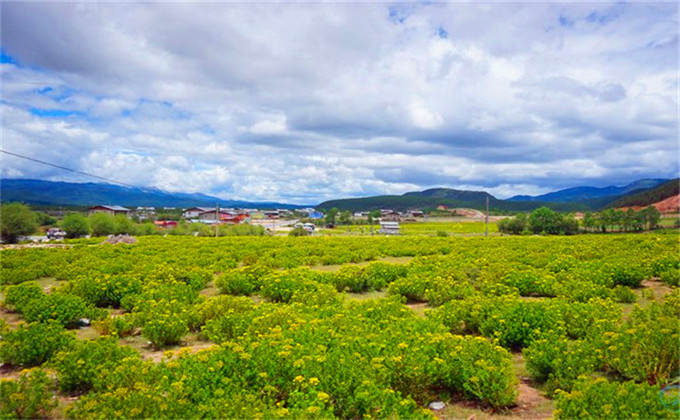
{"x":54,"y":165}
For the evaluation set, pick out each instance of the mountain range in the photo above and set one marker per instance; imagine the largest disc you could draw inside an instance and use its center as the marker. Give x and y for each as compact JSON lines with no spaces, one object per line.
{"x":49,"y":193}
{"x":586,"y":193}
{"x":37,"y":192}
{"x":572,"y":199}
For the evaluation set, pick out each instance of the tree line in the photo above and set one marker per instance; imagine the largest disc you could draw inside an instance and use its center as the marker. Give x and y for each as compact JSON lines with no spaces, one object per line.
{"x":18,"y":220}
{"x":546,"y":221}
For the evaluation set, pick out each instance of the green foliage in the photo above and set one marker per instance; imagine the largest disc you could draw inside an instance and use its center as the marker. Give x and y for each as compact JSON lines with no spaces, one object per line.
{"x":64,"y":309}
{"x":84,"y":362}
{"x":243,"y":281}
{"x":640,"y":349}
{"x":513,"y":225}
{"x":33,"y":344}
{"x":102,"y":224}
{"x":298,"y":231}
{"x":242,"y":229}
{"x":165,"y":322}
{"x":15,"y":220}
{"x":671,"y":276}
{"x":123,"y":225}
{"x":17,"y":297}
{"x":75,"y":225}
{"x":559,"y":361}
{"x":44,"y":219}
{"x":611,"y":400}
{"x":28,"y":397}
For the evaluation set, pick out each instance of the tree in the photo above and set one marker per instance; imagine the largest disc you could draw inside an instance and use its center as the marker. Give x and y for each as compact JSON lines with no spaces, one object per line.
{"x":123,"y":224}
{"x":16,"y":219}
{"x":45,"y":219}
{"x":330,"y":216}
{"x":589,"y":221}
{"x":75,"y":225}
{"x":344,"y":217}
{"x":651,"y":217}
{"x":101,"y":224}
{"x":513,"y":225}
{"x":545,"y":220}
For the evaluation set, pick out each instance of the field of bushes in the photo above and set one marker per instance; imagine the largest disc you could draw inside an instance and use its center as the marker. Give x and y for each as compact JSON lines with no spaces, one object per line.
{"x":325,"y":327}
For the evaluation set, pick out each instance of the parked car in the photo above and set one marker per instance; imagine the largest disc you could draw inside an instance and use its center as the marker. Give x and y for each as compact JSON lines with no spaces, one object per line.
{"x":55,"y":233}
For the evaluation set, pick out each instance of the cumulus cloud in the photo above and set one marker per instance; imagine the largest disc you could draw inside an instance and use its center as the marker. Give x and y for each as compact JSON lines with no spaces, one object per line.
{"x":306,"y":102}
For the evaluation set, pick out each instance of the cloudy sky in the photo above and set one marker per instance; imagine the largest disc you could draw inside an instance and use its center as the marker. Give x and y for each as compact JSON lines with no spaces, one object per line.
{"x":302,"y":102}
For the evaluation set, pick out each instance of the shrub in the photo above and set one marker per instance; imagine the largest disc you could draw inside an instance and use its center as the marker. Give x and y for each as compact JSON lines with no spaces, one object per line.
{"x":17,"y":297}
{"x":530,"y":283}
{"x":611,"y":400}
{"x":559,"y":361}
{"x":641,"y":349}
{"x":34,"y":344}
{"x":243,"y":281}
{"x":101,"y":224}
{"x":623,"y":294}
{"x":298,"y":231}
{"x":75,"y":225}
{"x":65,"y":309}
{"x":165,"y":322}
{"x":280,"y":287}
{"x":79,"y":366}
{"x":518,"y":324}
{"x":15,"y":220}
{"x":28,"y":397}
{"x":671,"y":276}
{"x":120,"y":326}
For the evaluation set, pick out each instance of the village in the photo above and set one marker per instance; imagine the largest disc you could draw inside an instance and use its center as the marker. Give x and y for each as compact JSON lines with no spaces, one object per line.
{"x":272,"y":220}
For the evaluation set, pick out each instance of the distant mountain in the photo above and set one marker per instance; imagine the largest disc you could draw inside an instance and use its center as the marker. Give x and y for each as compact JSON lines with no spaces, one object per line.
{"x":579,"y":194}
{"x":650,"y":196}
{"x":32,"y":191}
{"x":442,"y":196}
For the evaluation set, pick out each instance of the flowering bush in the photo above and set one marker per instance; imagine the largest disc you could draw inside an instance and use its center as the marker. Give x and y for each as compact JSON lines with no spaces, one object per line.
{"x":28,"y":397}
{"x":611,"y":400}
{"x":82,"y":362}
{"x":33,"y":344}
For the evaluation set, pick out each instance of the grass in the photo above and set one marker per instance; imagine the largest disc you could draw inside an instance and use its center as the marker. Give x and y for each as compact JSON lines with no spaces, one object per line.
{"x":421,"y":228}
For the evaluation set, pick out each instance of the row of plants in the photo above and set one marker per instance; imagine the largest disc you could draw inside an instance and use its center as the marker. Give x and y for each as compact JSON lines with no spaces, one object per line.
{"x":289,"y":344}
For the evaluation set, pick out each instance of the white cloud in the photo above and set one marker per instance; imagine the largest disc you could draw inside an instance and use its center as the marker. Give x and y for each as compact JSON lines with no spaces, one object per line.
{"x":305,"y":102}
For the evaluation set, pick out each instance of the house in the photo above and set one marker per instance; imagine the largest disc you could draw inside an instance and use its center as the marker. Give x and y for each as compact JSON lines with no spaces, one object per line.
{"x":272,"y":214}
{"x":223,"y":216}
{"x":165,"y":224}
{"x":316,"y":215}
{"x":193,"y":212}
{"x":389,"y":228}
{"x":109,"y":209}
{"x":415,"y":213}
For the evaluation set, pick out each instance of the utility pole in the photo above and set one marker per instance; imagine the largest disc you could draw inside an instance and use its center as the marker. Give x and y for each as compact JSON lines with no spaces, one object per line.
{"x":217,"y":217}
{"x":486,"y":229}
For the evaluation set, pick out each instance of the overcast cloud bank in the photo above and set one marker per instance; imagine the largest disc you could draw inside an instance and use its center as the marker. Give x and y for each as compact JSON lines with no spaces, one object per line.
{"x":307,"y":102}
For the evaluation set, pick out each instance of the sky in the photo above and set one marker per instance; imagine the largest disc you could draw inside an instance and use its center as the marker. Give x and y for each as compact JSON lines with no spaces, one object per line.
{"x":304,"y":102}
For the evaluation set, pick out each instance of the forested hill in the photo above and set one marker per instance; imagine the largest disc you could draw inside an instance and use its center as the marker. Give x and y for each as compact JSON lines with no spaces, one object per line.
{"x":649,"y":197}
{"x":432,"y":198}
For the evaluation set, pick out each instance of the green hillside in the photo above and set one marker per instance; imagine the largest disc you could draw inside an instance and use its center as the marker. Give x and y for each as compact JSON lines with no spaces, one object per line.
{"x":648,"y":197}
{"x":432,"y":198}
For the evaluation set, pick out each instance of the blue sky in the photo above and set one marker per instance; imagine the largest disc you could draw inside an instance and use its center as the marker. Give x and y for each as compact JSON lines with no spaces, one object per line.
{"x":306,"y":102}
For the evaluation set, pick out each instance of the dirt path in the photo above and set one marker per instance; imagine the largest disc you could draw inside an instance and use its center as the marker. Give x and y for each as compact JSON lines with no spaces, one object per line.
{"x":531,"y":404}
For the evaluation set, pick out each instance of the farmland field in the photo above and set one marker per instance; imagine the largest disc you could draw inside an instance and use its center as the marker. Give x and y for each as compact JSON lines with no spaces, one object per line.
{"x":343,"y":327}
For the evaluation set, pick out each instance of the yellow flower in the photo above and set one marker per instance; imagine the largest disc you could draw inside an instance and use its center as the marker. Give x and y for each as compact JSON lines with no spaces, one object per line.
{"x":323,"y":396}
{"x":313,"y":410}
{"x":314,"y":381}
{"x":402,"y":345}
{"x":299,"y":378}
